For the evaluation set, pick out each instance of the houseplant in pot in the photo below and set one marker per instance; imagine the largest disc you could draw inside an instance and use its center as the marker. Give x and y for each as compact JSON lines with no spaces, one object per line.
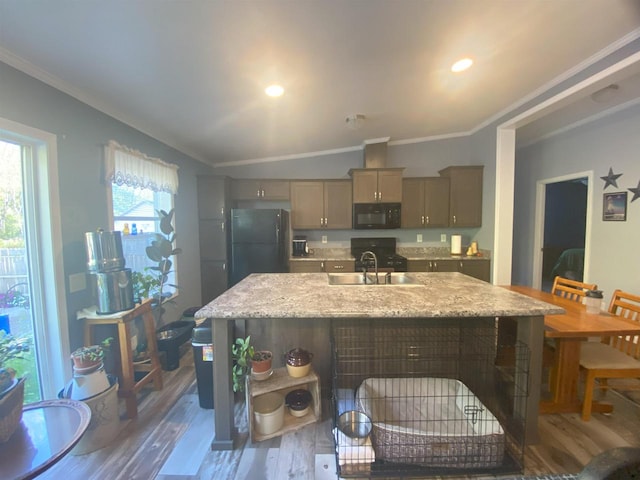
{"x":86,"y":359}
{"x":247,"y":358}
{"x":11,"y":388}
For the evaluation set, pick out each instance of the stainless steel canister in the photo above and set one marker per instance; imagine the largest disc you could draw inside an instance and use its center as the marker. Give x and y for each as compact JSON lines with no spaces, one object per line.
{"x":114,"y":291}
{"x":104,"y":251}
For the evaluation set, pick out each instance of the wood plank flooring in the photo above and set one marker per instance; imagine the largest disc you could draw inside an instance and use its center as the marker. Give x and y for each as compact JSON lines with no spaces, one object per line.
{"x":171,"y":429}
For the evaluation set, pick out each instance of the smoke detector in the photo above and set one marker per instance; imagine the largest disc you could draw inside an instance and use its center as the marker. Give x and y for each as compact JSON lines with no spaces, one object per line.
{"x":354,"y":121}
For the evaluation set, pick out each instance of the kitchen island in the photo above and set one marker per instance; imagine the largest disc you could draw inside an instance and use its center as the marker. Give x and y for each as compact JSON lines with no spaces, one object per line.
{"x":308,"y":301}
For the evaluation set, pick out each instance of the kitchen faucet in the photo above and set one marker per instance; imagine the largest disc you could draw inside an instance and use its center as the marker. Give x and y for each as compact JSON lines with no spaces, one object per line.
{"x":375,"y":264}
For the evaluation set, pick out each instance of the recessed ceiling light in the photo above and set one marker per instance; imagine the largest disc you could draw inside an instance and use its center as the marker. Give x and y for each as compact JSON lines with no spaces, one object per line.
{"x":461,"y":65}
{"x":274,"y":90}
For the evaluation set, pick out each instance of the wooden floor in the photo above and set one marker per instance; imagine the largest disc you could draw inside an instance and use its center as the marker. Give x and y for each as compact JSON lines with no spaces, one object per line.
{"x":170,"y":438}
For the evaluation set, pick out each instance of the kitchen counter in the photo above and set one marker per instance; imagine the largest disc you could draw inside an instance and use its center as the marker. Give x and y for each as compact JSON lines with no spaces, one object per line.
{"x":309,"y":295}
{"x":302,"y":306}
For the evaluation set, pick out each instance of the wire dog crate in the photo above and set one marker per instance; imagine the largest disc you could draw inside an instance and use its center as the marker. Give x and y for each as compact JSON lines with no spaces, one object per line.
{"x":440,"y":399}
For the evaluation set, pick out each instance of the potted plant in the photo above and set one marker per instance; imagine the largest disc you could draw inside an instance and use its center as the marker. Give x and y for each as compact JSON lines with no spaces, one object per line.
{"x":245,"y":358}
{"x":90,"y":357}
{"x":11,"y":389}
{"x":161,"y":250}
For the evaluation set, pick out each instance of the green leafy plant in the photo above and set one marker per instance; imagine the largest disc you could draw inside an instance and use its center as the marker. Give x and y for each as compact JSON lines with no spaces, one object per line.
{"x":242,"y":352}
{"x":10,"y":348}
{"x":92,"y":353}
{"x":161,"y":250}
{"x":144,"y":285}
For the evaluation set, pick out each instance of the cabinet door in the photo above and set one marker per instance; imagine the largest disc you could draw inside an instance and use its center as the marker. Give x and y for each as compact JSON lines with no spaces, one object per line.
{"x":365,"y":186}
{"x":465,"y":195}
{"x":338,"y":206}
{"x":307,"y":210}
{"x":389,"y":186}
{"x":436,"y":202}
{"x":213,"y":239}
{"x":480,"y":269}
{"x":274,"y":190}
{"x":306,"y":266}
{"x":417,"y":265}
{"x":214,"y":280}
{"x":213,"y":197}
{"x":444,"y":265}
{"x":246,"y":189}
{"x":413,"y":203}
{"x":339,"y":266}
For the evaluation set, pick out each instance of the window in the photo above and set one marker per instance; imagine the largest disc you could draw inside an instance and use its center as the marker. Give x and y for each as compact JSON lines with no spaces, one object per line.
{"x":140,"y":186}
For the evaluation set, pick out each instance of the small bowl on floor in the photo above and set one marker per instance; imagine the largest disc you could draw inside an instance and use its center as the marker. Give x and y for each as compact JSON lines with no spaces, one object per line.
{"x":355,"y":425}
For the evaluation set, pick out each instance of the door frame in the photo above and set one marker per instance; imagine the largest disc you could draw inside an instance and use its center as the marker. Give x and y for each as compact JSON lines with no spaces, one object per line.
{"x":51,"y":325}
{"x":539,"y":217}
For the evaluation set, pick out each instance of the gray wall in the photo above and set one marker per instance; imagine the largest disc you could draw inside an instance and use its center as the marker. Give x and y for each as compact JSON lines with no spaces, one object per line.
{"x":82,"y":132}
{"x":609,"y":142}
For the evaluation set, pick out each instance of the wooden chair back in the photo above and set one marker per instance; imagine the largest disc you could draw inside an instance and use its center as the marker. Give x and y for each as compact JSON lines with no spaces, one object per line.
{"x":571,"y":289}
{"x":625,"y":305}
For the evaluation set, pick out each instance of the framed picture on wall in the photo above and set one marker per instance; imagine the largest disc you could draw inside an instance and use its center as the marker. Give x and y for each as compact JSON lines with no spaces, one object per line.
{"x":614,"y":207}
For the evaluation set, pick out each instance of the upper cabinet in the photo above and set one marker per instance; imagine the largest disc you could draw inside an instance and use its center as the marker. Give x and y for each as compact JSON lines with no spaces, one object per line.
{"x":465,"y":195}
{"x":377,"y":185}
{"x":425,"y":202}
{"x":321,"y":204}
{"x":244,"y":189}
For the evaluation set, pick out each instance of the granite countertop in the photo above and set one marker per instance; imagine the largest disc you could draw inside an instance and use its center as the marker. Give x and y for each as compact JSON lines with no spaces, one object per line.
{"x":309,"y":295}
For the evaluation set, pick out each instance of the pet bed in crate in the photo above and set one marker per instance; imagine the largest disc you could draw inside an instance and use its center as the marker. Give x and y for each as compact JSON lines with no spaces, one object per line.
{"x":430,"y":421}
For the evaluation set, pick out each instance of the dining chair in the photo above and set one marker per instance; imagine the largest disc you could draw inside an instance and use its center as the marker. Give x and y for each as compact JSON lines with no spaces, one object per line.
{"x":612,"y":357}
{"x":571,"y":290}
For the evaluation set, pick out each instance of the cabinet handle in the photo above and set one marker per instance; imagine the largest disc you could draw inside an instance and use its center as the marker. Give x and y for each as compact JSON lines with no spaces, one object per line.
{"x":379,"y":195}
{"x":224,"y":266}
{"x":454,"y":219}
{"x":422,"y":219}
{"x":322,"y":266}
{"x":222,"y":211}
{"x":222,"y":226}
{"x":262,"y":193}
{"x":427,"y":219}
{"x":326,"y":222}
{"x":338,"y":267}
{"x":461,"y":269}
{"x":435,"y":266}
{"x":258,"y":193}
{"x":375,"y":195}
{"x":430,"y":266}
{"x":321,"y":221}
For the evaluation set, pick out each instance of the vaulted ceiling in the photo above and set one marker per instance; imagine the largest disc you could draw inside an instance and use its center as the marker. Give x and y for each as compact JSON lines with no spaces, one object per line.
{"x":192,"y":73}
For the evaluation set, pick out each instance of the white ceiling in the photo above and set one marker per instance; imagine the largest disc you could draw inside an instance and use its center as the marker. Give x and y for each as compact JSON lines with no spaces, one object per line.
{"x":192,"y":73}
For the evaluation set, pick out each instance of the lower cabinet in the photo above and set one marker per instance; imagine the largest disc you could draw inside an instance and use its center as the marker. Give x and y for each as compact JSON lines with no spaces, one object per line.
{"x":319,"y":266}
{"x":281,"y":382}
{"x":480,"y":269}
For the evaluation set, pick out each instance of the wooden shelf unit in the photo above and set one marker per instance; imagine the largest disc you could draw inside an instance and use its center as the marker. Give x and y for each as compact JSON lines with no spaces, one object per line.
{"x":281,"y":382}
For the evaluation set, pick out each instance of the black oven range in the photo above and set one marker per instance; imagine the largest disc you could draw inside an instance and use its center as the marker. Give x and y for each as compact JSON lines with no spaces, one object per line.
{"x":385,"y":250}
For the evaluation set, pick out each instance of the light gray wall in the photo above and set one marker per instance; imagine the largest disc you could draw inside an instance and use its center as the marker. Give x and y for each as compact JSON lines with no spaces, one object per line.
{"x":609,"y":142}
{"x":82,"y":132}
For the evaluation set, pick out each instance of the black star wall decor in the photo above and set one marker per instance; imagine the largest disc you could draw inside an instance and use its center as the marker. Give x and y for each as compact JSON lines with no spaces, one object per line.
{"x":635,"y":191}
{"x":611,"y":178}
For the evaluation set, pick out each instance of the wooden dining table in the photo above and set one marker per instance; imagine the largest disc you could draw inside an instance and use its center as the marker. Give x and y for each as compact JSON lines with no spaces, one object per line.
{"x":569,"y":330}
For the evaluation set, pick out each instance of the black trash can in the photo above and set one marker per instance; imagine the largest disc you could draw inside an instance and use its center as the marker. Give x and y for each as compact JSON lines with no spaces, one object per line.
{"x":202,"y":343}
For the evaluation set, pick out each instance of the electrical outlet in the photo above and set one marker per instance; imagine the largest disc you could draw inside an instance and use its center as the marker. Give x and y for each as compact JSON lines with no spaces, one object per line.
{"x":77,"y":282}
{"x":419,"y":238}
{"x":324,"y":239}
{"x":443,"y":237}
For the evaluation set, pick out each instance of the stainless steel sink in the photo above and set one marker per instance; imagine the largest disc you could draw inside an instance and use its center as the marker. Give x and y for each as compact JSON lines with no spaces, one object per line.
{"x":384,"y":279}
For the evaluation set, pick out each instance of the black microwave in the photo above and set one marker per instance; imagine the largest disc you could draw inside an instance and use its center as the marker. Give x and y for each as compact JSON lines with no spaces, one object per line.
{"x":376,"y":215}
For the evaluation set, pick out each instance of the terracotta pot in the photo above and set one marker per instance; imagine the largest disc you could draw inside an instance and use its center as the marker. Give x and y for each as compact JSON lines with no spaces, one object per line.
{"x":259,"y":364}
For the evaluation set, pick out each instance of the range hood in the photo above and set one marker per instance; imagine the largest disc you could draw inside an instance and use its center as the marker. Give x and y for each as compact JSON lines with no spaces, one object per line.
{"x":375,"y":153}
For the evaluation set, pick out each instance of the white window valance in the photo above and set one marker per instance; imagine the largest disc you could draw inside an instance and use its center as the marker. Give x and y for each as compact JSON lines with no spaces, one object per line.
{"x":125,"y":166}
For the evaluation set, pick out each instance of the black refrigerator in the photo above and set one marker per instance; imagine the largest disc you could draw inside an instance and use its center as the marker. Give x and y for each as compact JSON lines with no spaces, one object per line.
{"x":258,"y":241}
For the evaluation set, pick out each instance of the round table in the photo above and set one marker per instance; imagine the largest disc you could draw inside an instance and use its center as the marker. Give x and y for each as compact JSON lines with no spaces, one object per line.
{"x":48,"y":431}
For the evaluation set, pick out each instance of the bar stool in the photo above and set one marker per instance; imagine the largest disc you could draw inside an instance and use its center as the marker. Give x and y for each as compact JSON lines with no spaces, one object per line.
{"x":128,"y":386}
